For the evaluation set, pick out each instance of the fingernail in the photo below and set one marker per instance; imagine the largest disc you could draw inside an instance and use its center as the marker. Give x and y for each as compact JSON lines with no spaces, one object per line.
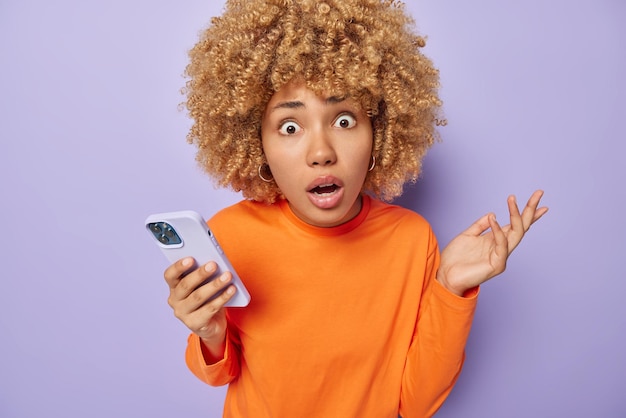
{"x":224,"y":277}
{"x":187,"y":262}
{"x":230,"y":290}
{"x":209,"y":267}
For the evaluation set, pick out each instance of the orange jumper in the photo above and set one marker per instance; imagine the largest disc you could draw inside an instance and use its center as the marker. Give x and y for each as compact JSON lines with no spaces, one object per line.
{"x":344,"y":322}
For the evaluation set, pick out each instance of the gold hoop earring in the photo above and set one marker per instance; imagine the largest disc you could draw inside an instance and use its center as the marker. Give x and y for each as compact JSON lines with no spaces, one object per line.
{"x":265,"y":167}
{"x":373,"y":164}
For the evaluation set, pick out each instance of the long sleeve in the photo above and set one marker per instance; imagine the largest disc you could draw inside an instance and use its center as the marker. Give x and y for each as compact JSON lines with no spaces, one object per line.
{"x":437,"y":351}
{"x":345,"y":321}
{"x":216,"y":374}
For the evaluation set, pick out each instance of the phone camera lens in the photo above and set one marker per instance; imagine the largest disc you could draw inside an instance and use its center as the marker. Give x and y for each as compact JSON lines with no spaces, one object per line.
{"x":163,"y":239}
{"x":155,"y":228}
{"x":169,"y":232}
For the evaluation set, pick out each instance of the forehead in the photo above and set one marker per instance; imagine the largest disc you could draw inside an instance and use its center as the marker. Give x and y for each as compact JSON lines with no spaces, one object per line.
{"x":295,"y":94}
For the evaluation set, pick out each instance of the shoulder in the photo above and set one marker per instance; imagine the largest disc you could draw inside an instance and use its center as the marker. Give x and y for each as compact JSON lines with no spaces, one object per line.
{"x":244,"y":215}
{"x":242,"y":211}
{"x":398,"y":222}
{"x":393,"y":214}
{"x":401,"y":225}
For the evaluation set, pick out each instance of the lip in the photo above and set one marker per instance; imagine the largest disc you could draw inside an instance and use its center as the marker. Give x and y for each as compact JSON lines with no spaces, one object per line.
{"x":325,"y":200}
{"x":322,"y":180}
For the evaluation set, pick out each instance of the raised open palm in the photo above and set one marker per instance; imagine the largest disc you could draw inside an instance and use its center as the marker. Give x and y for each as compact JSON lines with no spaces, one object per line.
{"x":481,"y":251}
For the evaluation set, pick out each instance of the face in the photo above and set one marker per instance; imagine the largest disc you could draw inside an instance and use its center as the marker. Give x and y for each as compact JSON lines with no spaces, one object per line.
{"x":319,"y":151}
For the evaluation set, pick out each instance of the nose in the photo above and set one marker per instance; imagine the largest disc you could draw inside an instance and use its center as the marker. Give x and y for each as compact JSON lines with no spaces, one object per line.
{"x":321,"y":151}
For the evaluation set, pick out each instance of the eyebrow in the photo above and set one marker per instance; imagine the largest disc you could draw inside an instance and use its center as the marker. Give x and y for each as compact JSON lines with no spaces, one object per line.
{"x":296,"y":104}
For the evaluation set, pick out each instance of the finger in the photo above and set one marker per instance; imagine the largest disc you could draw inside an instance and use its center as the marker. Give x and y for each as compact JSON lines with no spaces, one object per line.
{"x":174,"y":273}
{"x":517,"y":223}
{"x":216,"y":304}
{"x":528,"y":215}
{"x":208,"y":311}
{"x":185,"y":304}
{"x":204,"y":319}
{"x":515,"y":230}
{"x":539,"y":213}
{"x":220,"y":289}
{"x":478,"y":227}
{"x":191,"y":281}
{"x":500,"y":238}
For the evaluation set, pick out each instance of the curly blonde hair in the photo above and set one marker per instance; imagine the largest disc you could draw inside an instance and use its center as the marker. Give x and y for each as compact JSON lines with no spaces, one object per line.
{"x":362,"y":49}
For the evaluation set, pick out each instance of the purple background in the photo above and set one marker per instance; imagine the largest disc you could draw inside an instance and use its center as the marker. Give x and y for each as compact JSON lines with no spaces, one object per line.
{"x":93,"y":142}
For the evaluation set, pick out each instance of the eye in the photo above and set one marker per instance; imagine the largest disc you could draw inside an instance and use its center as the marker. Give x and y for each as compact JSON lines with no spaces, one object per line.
{"x":289,"y":128}
{"x":345,"y":121}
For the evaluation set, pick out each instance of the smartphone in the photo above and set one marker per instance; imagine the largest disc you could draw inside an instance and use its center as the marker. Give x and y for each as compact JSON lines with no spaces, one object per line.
{"x":186,"y":234}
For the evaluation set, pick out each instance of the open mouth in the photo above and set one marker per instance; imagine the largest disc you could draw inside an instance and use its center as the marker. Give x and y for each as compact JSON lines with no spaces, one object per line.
{"x":326,"y":192}
{"x":325,"y":189}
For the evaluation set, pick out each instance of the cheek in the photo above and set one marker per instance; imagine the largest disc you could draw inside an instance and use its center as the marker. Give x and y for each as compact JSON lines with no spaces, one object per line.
{"x":271,"y":152}
{"x":281,"y":154}
{"x":363,"y":153}
{"x":282,"y":166}
{"x":275,"y":156}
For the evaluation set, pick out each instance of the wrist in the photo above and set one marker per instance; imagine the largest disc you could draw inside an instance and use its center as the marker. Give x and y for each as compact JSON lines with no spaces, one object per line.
{"x":456,"y":290}
{"x":213,"y":350}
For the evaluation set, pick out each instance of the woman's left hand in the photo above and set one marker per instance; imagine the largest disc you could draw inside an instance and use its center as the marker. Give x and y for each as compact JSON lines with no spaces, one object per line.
{"x":477,"y":255}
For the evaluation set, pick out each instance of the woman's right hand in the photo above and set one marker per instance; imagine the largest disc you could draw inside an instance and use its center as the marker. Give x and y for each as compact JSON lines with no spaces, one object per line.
{"x":189,"y":299}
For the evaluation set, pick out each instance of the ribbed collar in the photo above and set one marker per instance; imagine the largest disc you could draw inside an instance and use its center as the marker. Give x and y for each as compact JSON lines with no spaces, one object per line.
{"x":331,"y":231}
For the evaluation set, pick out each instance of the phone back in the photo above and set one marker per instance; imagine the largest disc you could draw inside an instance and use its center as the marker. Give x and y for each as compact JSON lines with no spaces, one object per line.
{"x":186,"y":234}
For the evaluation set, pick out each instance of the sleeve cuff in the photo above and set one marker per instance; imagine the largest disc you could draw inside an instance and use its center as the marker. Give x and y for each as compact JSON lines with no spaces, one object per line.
{"x":468,"y":299}
{"x":218,"y":373}
{"x":200,"y":354}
